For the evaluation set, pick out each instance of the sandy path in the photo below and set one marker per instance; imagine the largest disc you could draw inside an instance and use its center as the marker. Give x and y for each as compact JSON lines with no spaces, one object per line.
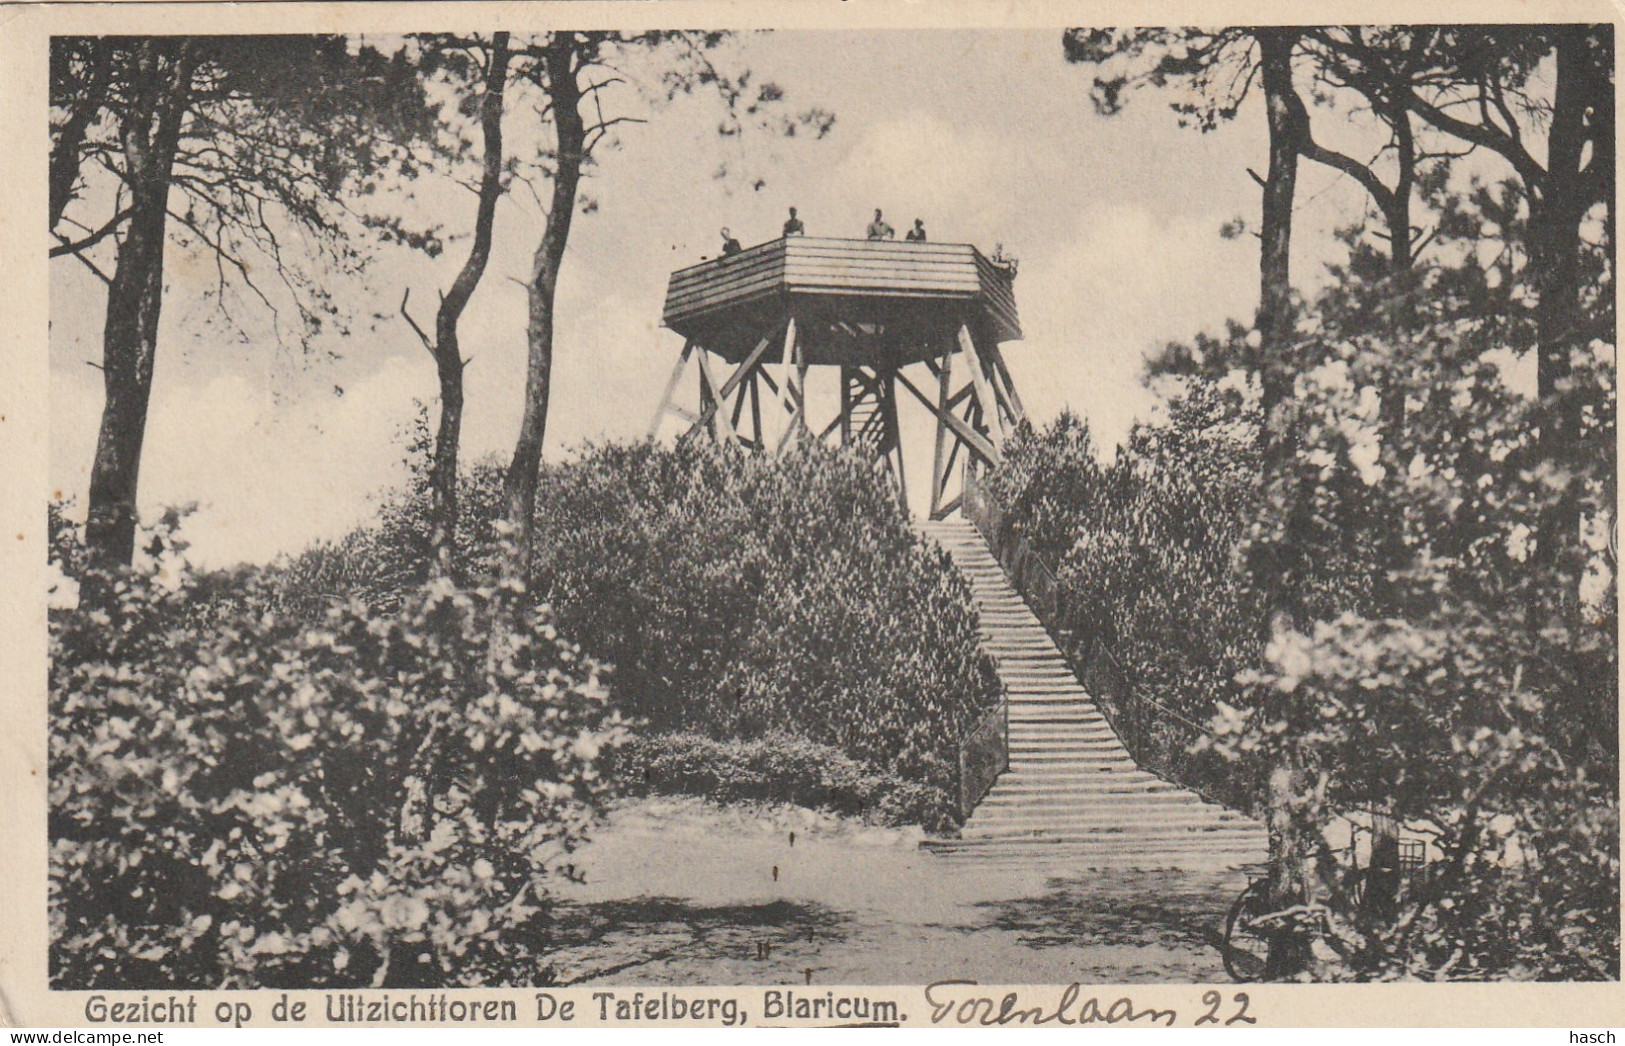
{"x":680,"y":891}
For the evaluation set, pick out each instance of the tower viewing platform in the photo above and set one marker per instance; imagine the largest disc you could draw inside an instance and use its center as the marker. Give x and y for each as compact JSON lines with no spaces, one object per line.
{"x":865,"y":303}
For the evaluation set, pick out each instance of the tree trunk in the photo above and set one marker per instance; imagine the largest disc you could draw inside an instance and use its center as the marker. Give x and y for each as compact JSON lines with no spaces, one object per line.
{"x":1290,"y":839}
{"x":1558,"y":205}
{"x":519,"y":486}
{"x":1280,"y":189}
{"x":150,"y":133}
{"x":1397,"y":207}
{"x":446,"y":350}
{"x":64,"y":166}
{"x":1383,"y":869}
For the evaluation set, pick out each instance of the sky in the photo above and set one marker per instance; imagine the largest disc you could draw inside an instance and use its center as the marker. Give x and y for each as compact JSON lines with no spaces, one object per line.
{"x":989,"y":136}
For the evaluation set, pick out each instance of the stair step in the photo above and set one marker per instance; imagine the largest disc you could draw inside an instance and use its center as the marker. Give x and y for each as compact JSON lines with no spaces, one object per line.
{"x":1189,"y":835}
{"x":1052,"y":777}
{"x":1185,"y":843}
{"x":1072,"y":794}
{"x":1118,"y":807}
{"x":1051,"y":736}
{"x":1070,"y":858}
{"x":1082,"y":795}
{"x":1056,"y":718}
{"x":1043,"y":723}
{"x":1177,"y":840}
{"x":1121,"y":819}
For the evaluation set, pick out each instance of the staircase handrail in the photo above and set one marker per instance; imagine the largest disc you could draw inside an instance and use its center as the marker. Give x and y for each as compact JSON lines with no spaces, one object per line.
{"x":975,"y":782}
{"x":1167,"y":712}
{"x":1025,"y":566}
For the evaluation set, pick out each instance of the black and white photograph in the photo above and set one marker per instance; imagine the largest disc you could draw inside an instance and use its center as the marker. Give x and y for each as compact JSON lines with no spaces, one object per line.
{"x":539,"y":505}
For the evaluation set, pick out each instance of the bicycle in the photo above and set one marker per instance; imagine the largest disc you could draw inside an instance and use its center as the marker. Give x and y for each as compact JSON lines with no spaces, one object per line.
{"x":1252,"y":920}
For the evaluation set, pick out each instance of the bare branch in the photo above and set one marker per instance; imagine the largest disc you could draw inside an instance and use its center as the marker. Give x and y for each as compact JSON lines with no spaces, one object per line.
{"x":598,"y":130}
{"x":76,"y":246}
{"x":1426,"y":239}
{"x":424,"y":338}
{"x":1349,"y":166}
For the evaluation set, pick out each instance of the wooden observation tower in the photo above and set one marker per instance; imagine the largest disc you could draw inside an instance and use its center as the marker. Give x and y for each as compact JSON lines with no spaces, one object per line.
{"x":927,"y":318}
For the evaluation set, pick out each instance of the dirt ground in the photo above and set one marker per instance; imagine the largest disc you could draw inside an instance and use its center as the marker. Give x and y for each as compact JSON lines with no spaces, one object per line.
{"x":680,"y":891}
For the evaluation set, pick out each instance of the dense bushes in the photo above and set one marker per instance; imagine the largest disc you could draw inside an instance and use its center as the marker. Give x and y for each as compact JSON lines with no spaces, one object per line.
{"x":777,"y":768}
{"x":736,"y":595}
{"x":740,"y":596}
{"x":373,"y":799}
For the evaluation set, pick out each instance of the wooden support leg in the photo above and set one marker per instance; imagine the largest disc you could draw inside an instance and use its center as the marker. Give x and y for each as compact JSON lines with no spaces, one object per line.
{"x":984,"y":391}
{"x":671,"y":387}
{"x":756,"y":408}
{"x":801,"y":390}
{"x":846,"y":406}
{"x":785,"y":379}
{"x":712,"y":401}
{"x":966,"y":431}
{"x":1018,"y":412}
{"x":708,"y":399}
{"x":893,"y":441}
{"x":939,"y":475}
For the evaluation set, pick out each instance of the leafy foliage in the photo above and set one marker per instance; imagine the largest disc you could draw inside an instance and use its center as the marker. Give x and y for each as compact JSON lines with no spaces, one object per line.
{"x":373,"y":799}
{"x":737,"y":596}
{"x":775,"y":768}
{"x":1449,"y":662}
{"x":740,"y":596}
{"x":1479,"y":693}
{"x":265,"y":154}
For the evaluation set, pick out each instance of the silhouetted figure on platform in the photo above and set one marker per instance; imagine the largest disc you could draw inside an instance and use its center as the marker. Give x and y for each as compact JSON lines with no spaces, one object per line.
{"x":729,"y":244}
{"x":879,"y":230}
{"x":1008,"y":262}
{"x":916,"y":234}
{"x":793,"y":227}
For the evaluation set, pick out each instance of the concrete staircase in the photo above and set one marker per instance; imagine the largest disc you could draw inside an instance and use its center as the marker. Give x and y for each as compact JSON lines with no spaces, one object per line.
{"x":1073,"y":794}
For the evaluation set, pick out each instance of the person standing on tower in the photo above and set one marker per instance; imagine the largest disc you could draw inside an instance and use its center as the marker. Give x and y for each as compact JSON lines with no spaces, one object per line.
{"x":916,"y":234}
{"x":879,"y":230}
{"x":793,"y":227}
{"x":729,"y":244}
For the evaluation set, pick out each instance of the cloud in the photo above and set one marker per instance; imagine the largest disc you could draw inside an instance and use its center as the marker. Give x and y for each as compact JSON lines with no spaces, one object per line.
{"x":919,"y":161}
{"x":267,"y":477}
{"x":1120,"y":283}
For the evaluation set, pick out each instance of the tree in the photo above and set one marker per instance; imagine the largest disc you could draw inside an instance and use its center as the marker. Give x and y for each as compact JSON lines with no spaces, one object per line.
{"x":562,"y":62}
{"x":208,"y":141}
{"x":1218,"y":69}
{"x":444,"y":347}
{"x":1482,"y":84}
{"x":1478,"y":81}
{"x":574,"y":70}
{"x":1435,"y":702}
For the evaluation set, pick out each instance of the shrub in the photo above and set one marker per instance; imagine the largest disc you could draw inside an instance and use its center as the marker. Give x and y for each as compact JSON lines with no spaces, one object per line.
{"x":737,"y":595}
{"x":778,"y":768}
{"x":371,"y":800}
{"x":740,"y":596}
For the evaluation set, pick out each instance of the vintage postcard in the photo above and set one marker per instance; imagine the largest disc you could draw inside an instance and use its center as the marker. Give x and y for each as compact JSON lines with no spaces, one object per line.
{"x":809,"y":514}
